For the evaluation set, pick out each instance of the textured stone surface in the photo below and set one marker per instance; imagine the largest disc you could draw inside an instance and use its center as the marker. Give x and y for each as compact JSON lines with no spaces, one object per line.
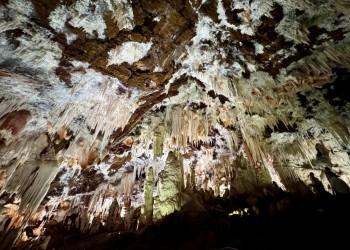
{"x":242,"y":92}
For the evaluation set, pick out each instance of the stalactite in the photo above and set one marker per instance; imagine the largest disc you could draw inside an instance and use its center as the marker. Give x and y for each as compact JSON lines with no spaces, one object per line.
{"x":255,"y":150}
{"x":176,"y":127}
{"x":274,"y":174}
{"x":232,"y":140}
{"x":126,"y":187}
{"x":113,"y":215}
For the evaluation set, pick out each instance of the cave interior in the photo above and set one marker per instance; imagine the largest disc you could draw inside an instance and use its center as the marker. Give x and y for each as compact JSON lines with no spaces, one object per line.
{"x":173,"y":124}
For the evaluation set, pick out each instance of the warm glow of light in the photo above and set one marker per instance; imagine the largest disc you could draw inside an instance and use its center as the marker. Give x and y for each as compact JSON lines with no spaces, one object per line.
{"x":240,"y":212}
{"x":234,"y":212}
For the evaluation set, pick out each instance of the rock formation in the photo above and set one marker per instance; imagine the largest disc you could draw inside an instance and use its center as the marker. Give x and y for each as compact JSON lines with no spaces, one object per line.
{"x":112,"y":110}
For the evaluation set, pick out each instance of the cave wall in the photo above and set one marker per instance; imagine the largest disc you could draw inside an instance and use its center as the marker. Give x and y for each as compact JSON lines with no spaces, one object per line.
{"x":206,"y":95}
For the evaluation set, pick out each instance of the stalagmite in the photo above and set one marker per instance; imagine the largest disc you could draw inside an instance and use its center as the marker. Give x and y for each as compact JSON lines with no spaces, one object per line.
{"x":170,"y":196}
{"x":158,"y":141}
{"x":147,"y":208}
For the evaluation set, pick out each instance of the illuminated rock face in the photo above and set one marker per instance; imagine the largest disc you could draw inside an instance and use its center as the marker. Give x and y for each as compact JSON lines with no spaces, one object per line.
{"x":170,"y":197}
{"x":95,"y":94}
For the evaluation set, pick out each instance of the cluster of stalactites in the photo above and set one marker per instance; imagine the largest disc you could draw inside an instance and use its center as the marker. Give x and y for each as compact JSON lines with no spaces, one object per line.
{"x":29,"y":183}
{"x":299,"y":148}
{"x":104,"y":113}
{"x":266,"y":102}
{"x":94,"y":210}
{"x":23,"y":176}
{"x":324,"y":59}
{"x":22,"y":169}
{"x":186,"y":126}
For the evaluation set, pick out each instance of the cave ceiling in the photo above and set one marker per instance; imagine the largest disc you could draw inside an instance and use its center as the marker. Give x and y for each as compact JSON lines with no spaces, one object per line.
{"x":94,"y":92}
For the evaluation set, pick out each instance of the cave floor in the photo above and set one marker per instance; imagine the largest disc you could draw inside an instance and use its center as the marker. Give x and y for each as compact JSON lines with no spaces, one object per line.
{"x":299,"y":224}
{"x":318,"y":232}
{"x":305,"y":226}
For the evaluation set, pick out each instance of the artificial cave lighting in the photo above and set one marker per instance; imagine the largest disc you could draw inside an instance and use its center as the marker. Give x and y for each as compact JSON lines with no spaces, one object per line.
{"x":133,"y":118}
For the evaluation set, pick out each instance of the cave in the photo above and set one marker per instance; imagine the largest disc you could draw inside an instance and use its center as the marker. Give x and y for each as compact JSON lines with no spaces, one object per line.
{"x":184,"y":124}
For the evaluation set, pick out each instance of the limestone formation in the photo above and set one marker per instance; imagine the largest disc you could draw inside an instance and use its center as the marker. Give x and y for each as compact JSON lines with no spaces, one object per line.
{"x":103,"y":100}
